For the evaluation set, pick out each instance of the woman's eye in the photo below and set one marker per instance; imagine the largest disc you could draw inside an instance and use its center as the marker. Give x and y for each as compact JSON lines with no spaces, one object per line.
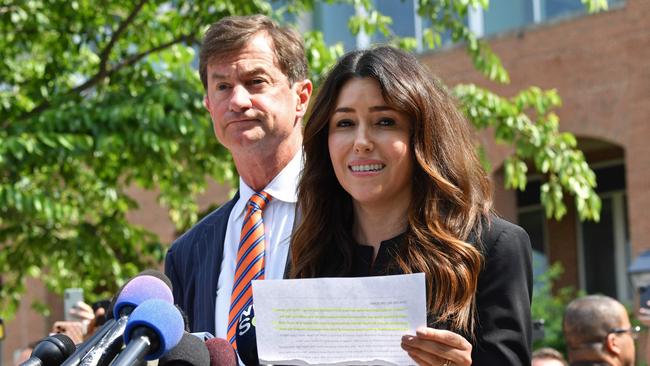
{"x":344,"y":123}
{"x":386,"y":122}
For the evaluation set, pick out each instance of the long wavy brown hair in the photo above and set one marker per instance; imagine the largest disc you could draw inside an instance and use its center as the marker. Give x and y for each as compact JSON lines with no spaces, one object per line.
{"x":451,"y":198}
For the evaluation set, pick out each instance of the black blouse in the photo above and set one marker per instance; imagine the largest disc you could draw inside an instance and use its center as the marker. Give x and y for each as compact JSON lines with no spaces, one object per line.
{"x":503,"y":334}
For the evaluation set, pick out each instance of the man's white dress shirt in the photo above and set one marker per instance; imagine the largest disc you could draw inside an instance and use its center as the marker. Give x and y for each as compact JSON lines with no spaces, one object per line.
{"x":278,"y":218}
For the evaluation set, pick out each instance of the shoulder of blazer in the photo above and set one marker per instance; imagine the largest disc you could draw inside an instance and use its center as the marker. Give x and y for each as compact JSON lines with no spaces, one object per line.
{"x":496,"y":228}
{"x":216,"y":217}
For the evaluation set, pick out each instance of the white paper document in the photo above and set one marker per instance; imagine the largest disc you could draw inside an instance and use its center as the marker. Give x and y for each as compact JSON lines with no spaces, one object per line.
{"x":344,"y":321}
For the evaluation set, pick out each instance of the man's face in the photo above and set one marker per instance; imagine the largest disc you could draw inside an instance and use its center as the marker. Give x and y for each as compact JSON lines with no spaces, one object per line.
{"x":626,"y":341}
{"x":253,"y":106}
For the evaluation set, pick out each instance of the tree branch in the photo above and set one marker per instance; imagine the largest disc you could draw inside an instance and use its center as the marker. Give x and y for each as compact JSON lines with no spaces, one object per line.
{"x":189,"y":38}
{"x":135,"y":58}
{"x":103,"y":61}
{"x":104,"y":55}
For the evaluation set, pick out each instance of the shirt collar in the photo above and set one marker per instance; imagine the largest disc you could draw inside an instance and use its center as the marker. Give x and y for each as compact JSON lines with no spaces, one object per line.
{"x":283,"y":187}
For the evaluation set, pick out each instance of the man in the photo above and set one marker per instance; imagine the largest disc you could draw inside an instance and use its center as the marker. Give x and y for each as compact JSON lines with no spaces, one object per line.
{"x":255,"y":76}
{"x":597,"y":331}
{"x":548,"y":357}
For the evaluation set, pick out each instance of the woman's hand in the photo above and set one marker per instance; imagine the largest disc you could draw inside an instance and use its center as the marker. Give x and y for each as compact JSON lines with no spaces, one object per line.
{"x":438,"y":347}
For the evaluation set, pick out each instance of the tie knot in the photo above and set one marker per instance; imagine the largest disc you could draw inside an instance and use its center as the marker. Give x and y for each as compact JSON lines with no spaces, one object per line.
{"x":258,"y":200}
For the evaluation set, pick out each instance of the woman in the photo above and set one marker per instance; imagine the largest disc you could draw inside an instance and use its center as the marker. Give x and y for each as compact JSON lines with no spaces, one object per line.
{"x":392,"y":184}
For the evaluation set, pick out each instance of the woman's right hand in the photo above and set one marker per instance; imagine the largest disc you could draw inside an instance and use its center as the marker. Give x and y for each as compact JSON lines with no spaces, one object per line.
{"x":438,"y":347}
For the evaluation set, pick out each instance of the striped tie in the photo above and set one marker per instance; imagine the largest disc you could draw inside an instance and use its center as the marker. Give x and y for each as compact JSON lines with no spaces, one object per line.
{"x":250,"y":261}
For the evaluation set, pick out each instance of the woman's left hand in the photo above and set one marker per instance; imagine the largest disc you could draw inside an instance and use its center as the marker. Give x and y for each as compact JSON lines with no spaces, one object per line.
{"x":438,"y":347}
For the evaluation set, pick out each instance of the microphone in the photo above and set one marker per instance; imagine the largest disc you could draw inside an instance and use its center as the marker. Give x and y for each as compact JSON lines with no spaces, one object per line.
{"x":51,"y":351}
{"x":221,"y":352}
{"x":137,"y":291}
{"x":190,"y":351}
{"x":154,"y":328}
{"x":245,"y":338}
{"x":147,"y":272}
{"x":86,"y":346}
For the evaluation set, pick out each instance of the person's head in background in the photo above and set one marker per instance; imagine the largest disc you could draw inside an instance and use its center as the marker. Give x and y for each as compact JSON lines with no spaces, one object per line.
{"x":597,"y":329}
{"x":385,"y":140}
{"x":548,"y":357}
{"x":255,"y":76}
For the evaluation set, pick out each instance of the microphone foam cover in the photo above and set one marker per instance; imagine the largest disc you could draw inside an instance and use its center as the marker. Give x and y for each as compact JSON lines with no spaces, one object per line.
{"x":147,"y":272}
{"x":221,"y":352}
{"x":159,"y":275}
{"x":162,"y":318}
{"x":189,"y":351}
{"x":140,"y":289}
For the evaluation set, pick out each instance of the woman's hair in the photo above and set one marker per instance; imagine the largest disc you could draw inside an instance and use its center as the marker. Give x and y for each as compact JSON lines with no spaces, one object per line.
{"x":450,"y":193}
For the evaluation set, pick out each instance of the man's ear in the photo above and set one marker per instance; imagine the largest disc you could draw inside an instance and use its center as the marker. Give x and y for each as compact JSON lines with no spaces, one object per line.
{"x":303,"y":93}
{"x":206,"y":103}
{"x":613,"y":344}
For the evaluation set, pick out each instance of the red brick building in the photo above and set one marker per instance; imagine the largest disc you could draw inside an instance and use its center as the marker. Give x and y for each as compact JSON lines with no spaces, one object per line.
{"x":599,"y":65}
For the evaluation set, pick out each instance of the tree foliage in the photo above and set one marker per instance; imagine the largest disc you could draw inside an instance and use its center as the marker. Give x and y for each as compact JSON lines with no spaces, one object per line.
{"x":97,"y":96}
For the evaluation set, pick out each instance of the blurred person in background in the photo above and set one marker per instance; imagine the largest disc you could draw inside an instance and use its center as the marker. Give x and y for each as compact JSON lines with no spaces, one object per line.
{"x":547,"y":356}
{"x":597,"y":331}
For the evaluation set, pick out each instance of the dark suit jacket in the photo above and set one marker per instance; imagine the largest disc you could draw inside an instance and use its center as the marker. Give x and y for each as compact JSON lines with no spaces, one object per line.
{"x":193,"y":264}
{"x":504,"y":334}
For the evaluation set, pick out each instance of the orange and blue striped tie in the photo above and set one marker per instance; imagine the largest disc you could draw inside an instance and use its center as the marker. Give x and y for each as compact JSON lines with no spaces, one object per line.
{"x":250,"y":261}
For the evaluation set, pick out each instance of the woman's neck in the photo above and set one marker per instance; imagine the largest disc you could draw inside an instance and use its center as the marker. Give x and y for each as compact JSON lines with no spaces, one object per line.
{"x":374,"y":224}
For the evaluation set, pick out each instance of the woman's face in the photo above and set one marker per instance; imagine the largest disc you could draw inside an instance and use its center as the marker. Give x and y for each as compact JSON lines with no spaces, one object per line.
{"x":369,"y":146}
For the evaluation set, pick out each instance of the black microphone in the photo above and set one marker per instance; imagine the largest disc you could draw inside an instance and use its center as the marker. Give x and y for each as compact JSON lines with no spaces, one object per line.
{"x":245,"y":338}
{"x":154,"y":328}
{"x":138,"y":290}
{"x":51,"y":351}
{"x":221,"y":352}
{"x":190,"y":351}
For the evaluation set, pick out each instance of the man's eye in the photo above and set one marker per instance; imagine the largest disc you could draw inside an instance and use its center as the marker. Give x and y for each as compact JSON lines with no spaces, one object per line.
{"x":256,"y":81}
{"x":222,"y":86}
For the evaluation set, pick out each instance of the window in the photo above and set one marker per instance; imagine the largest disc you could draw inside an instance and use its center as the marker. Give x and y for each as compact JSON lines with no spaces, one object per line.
{"x":501,"y":16}
{"x":532,"y":220}
{"x":332,"y":20}
{"x":505,"y":15}
{"x":604,"y":246}
{"x":557,"y":8}
{"x":605,"y":250}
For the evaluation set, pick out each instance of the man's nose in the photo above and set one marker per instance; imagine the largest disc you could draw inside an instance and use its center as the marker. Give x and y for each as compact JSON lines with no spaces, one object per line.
{"x":240,"y":99}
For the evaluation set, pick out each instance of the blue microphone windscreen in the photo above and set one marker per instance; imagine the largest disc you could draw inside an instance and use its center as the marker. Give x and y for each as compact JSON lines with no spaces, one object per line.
{"x":190,"y":351}
{"x":140,"y":289}
{"x":161,"y":317}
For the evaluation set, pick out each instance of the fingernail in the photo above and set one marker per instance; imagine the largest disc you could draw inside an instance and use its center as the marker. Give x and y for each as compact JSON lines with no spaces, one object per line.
{"x":407,"y":338}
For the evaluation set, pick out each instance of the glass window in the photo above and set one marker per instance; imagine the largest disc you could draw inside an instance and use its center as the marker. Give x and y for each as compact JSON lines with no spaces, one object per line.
{"x":505,"y":15}
{"x":598,"y":252}
{"x":332,"y":20}
{"x":559,"y":8}
{"x":533,"y":221}
{"x":403,"y":14}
